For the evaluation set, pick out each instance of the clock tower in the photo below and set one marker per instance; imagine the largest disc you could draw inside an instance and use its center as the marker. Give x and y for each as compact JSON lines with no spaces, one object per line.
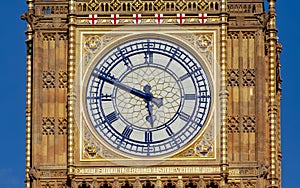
{"x":152,"y":94}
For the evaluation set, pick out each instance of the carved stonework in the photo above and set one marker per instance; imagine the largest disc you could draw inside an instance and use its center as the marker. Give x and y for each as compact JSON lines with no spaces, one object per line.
{"x":159,"y":5}
{"x":249,"y":124}
{"x":244,"y":172}
{"x":48,"y":185}
{"x":249,"y":77}
{"x":191,"y":184}
{"x":169,"y":184}
{"x":212,"y":184}
{"x":48,"y":78}
{"x":92,"y":148}
{"x":148,"y":184}
{"x":62,"y":36}
{"x":62,"y":79}
{"x":48,"y":36}
{"x":233,"y":185}
{"x":84,"y":184}
{"x":106,"y":184}
{"x":53,"y":173}
{"x":240,"y":20}
{"x":233,"y":35}
{"x":203,"y":42}
{"x":93,"y":5}
{"x":233,"y":124}
{"x":203,"y":5}
{"x":48,"y":125}
{"x":53,"y":184}
{"x":115,"y":5}
{"x":239,"y":143}
{"x":162,"y":6}
{"x":94,"y":43}
{"x":203,"y":148}
{"x":62,"y":125}
{"x":249,"y":184}
{"x":249,"y":35}
{"x":137,"y":5}
{"x":34,"y":173}
{"x":126,"y":184}
{"x":245,"y":7}
{"x":232,"y":77}
{"x":263,"y":171}
{"x":181,"y":5}
{"x":31,"y":19}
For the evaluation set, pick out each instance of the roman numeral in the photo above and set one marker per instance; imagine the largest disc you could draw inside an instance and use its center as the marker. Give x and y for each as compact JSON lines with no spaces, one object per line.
{"x":127,"y":131}
{"x":197,"y":72}
{"x":173,"y":55}
{"x":112,"y":117}
{"x":184,"y":116}
{"x":105,"y":97}
{"x":148,"y":57}
{"x":189,"y":96}
{"x":185,"y":76}
{"x":148,"y":136}
{"x":127,"y":61}
{"x":169,"y":131}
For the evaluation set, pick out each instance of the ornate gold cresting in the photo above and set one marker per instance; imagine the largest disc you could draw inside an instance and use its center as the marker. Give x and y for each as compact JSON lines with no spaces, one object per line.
{"x":273,"y":108}
{"x":148,"y":7}
{"x":223,"y":89}
{"x":71,"y":80}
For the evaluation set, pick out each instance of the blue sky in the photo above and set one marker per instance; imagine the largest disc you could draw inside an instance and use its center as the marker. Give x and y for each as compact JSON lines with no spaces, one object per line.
{"x":12,"y":95}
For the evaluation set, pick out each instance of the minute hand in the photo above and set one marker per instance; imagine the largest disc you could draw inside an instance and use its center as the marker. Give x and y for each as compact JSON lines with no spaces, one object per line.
{"x":146,"y":96}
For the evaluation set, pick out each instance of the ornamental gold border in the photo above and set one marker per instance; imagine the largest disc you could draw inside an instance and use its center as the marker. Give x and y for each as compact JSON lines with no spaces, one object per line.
{"x":172,"y":170}
{"x":169,"y":33}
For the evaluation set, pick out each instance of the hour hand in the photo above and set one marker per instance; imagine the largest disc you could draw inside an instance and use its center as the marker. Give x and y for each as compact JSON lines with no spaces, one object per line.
{"x":157,"y":101}
{"x":150,"y":118}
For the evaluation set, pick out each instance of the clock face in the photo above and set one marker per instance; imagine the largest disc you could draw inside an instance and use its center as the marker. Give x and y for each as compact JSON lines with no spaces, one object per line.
{"x":148,"y":97}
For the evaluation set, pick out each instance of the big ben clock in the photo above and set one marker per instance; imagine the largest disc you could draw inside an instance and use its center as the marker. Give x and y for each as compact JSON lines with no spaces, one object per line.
{"x":147,"y":97}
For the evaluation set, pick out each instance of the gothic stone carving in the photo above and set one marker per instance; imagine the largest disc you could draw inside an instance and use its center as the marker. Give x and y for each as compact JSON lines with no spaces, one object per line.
{"x":48,"y":78}
{"x":233,"y":77}
{"x":233,"y":124}
{"x":48,"y":125}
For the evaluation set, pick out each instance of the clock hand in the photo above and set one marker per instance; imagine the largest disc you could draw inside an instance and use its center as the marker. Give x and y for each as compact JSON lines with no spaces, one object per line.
{"x":146,"y":96}
{"x":149,"y":118}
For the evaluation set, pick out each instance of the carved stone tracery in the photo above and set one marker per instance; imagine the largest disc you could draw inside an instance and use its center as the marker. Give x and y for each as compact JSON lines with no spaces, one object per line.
{"x":204,"y":42}
{"x":48,"y":126}
{"x":48,"y":78}
{"x":62,"y":79}
{"x":233,"y":77}
{"x":249,"y":184}
{"x":62,"y":125}
{"x":249,"y":77}
{"x":233,"y":124}
{"x":249,"y":124}
{"x":233,"y":185}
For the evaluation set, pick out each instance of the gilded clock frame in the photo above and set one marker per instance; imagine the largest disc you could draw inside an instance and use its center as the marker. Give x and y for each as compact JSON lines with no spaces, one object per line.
{"x":91,"y":43}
